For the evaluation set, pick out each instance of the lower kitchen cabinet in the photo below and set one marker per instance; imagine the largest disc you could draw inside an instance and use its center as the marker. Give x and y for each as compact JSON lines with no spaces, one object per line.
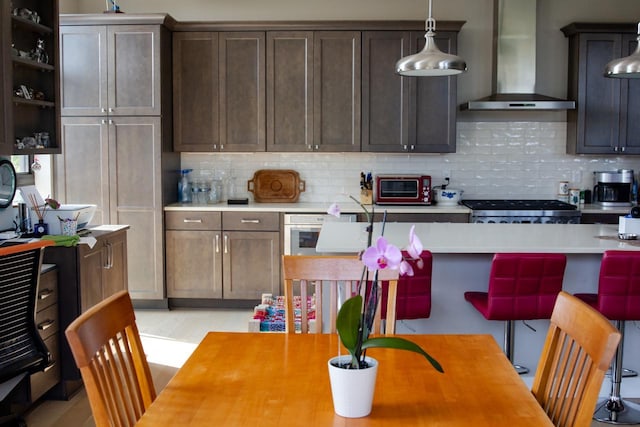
{"x":86,"y":276}
{"x":222,"y":255}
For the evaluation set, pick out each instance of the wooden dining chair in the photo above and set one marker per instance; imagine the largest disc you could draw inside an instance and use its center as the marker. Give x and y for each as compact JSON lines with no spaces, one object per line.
{"x":577,"y":352}
{"x":330,"y":270}
{"x":106,"y":346}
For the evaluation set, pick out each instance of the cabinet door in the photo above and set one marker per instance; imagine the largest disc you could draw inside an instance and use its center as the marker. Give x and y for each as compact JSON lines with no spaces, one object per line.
{"x":136,"y":199}
{"x":593,"y":128}
{"x":195,"y":92}
{"x":432,"y":116}
{"x":385,"y":94}
{"x":82,"y":170}
{"x":134,"y":70}
{"x":194,"y":264}
{"x":336,"y":90}
{"x":91,"y":265}
{"x":83,"y":70}
{"x":242,"y":92}
{"x":115,"y":268}
{"x":290,"y":91}
{"x":251,"y":262}
{"x":629,"y":104}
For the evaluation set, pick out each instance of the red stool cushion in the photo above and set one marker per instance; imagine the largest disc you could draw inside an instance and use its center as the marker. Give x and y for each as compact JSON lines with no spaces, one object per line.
{"x":522,"y":286}
{"x":413,"y":300}
{"x":618,"y":296}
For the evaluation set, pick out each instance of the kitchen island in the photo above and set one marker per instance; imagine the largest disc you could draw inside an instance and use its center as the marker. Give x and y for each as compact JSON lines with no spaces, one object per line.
{"x":462,"y":256}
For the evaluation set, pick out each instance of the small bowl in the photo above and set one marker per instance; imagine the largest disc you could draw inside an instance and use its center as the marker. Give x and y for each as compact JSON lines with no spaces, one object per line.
{"x":447,"y":196}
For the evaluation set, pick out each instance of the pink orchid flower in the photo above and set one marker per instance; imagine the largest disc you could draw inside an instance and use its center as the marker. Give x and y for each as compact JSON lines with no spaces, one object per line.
{"x":415,"y":245}
{"x":382,"y":255}
{"x":406,"y":269}
{"x":334,"y":210}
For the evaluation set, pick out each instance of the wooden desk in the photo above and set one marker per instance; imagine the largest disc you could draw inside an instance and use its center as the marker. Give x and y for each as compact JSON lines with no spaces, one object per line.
{"x":245,"y":379}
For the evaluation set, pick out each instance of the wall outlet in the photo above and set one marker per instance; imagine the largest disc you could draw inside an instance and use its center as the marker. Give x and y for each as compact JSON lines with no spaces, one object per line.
{"x":446,"y":174}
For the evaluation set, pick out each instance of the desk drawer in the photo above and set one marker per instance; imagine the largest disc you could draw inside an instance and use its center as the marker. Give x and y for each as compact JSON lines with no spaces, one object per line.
{"x":41,"y":382}
{"x":196,"y":220}
{"x":251,"y":221}
{"x":47,"y":321}
{"x":47,"y":290}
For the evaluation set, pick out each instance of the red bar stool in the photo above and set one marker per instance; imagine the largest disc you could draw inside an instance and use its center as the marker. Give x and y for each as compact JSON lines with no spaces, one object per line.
{"x":618,"y":299}
{"x":522,"y":286}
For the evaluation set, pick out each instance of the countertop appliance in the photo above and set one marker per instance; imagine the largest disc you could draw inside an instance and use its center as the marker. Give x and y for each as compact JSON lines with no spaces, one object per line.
{"x":523,"y":211}
{"x":403,"y":190}
{"x":613,"y":188}
{"x":301,"y":231}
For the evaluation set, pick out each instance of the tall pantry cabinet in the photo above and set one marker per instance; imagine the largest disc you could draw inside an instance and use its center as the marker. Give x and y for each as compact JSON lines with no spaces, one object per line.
{"x":116,"y":132}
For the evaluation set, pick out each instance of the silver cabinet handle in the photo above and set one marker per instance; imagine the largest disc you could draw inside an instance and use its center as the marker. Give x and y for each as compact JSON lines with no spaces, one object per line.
{"x":250,"y":221}
{"x":109,"y":264}
{"x":192,"y":221}
{"x":44,"y":294}
{"x":104,"y":110}
{"x":104,"y":122}
{"x":226,"y":244}
{"x":110,"y":121}
{"x":217,"y":243}
{"x":110,"y":110}
{"x":46,"y":324}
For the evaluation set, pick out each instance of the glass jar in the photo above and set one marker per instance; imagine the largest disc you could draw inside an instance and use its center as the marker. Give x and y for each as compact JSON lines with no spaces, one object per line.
{"x":215,"y":192}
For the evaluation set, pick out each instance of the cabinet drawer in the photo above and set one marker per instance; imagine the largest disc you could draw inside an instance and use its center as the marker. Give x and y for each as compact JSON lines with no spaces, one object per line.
{"x":47,"y":290}
{"x":47,"y":321}
{"x":41,"y":382}
{"x":251,"y":221}
{"x":196,"y":220}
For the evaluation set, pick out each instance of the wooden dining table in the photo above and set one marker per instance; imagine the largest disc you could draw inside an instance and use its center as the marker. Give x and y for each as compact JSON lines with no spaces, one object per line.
{"x":275,"y":379}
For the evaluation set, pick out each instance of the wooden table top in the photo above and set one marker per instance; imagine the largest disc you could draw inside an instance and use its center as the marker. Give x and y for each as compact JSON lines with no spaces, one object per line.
{"x":271,"y":379}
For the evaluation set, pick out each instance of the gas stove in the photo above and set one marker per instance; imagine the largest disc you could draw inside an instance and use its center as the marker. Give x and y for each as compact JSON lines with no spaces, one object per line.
{"x":523,"y":211}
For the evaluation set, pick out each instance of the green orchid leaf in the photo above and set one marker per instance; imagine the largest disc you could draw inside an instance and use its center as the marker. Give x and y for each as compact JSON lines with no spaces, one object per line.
{"x":400,"y":344}
{"x":348,"y":322}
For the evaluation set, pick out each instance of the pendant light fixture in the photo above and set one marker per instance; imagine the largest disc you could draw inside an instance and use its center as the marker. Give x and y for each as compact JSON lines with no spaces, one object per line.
{"x":627,"y":67}
{"x":431,"y":61}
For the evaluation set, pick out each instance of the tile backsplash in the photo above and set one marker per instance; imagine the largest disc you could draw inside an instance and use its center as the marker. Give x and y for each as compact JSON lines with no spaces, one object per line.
{"x":492,"y":160}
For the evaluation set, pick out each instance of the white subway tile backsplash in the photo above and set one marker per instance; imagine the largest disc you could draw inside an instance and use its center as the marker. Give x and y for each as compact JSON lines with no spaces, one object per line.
{"x":492,"y":160}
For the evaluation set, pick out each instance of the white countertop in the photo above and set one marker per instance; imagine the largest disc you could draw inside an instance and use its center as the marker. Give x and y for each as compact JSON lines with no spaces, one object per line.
{"x":465,"y":238}
{"x":315,"y":207}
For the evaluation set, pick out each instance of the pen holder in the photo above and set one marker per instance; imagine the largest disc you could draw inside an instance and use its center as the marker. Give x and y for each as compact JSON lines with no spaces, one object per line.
{"x":366,"y":197}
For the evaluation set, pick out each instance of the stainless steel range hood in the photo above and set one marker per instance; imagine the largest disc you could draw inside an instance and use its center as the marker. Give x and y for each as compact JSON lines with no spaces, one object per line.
{"x":514,"y":76}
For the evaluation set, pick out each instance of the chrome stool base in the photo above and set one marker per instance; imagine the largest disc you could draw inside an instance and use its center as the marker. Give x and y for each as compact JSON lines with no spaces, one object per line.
{"x":617,"y":412}
{"x":521,"y":369}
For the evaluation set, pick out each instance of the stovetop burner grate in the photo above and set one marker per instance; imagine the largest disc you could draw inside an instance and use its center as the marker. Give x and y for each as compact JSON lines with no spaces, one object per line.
{"x":513,"y":205}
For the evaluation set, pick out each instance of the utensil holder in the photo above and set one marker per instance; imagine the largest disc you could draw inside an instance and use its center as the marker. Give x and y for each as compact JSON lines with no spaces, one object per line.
{"x":366,"y":197}
{"x":68,"y":227}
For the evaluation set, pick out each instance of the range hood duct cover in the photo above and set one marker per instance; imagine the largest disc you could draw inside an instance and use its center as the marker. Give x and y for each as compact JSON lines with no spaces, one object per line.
{"x":514,"y":62}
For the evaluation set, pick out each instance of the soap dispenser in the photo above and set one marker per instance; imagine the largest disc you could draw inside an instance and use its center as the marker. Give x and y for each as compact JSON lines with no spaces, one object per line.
{"x":184,"y":186}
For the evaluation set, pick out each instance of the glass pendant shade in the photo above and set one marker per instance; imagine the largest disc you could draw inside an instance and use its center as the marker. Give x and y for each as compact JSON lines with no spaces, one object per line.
{"x":627,"y":67}
{"x":431,"y":61}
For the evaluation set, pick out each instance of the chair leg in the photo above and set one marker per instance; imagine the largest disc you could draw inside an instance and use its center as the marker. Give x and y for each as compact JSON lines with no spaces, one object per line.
{"x":509,"y":345}
{"x":615,"y":409}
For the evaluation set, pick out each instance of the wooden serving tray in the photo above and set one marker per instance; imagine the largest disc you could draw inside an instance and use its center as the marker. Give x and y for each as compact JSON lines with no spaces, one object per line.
{"x":276,"y":186}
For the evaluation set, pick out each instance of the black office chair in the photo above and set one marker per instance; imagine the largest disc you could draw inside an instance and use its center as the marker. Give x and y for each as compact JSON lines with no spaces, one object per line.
{"x":22,"y":351}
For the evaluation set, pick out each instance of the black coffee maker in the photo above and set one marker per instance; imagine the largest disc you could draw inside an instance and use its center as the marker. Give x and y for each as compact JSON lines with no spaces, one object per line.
{"x":613,"y":188}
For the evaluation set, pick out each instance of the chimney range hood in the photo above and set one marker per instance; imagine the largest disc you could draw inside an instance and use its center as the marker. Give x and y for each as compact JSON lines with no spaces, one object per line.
{"x":514,"y":62}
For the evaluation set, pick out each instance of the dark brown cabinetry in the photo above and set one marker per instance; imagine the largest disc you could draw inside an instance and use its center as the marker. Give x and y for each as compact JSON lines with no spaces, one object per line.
{"x":604,"y":121}
{"x":231,"y":256}
{"x":117,"y":132}
{"x":406,"y":114}
{"x":29,"y":111}
{"x":313,"y":91}
{"x":219,"y":91}
{"x":48,"y":324}
{"x":85,"y":277}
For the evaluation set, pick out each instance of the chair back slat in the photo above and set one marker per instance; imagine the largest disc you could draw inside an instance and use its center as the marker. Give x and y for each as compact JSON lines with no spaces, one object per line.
{"x":578,"y":349}
{"x":330,"y":271}
{"x":106,"y":346}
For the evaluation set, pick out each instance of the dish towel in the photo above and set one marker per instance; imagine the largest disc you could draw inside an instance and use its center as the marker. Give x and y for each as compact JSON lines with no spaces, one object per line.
{"x":63,"y":240}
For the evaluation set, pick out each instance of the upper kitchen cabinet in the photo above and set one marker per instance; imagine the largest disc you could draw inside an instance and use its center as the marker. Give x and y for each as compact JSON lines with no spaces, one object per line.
{"x":219,"y":91}
{"x":313,"y":91}
{"x":110,"y":69}
{"x":29,"y":110}
{"x":406,"y":114}
{"x":604,"y":121}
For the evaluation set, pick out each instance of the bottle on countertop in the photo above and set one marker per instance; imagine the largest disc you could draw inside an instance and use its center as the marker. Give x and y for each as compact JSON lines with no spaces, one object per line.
{"x":184,"y":186}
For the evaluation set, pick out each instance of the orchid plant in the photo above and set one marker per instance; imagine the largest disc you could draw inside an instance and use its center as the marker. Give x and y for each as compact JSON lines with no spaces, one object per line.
{"x":355,"y":317}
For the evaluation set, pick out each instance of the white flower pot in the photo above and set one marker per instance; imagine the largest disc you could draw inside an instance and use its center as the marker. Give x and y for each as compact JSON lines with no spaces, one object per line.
{"x":352,"y":389}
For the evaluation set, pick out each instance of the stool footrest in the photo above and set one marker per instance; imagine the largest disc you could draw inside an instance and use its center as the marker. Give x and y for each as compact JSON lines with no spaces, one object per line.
{"x":617,"y":412}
